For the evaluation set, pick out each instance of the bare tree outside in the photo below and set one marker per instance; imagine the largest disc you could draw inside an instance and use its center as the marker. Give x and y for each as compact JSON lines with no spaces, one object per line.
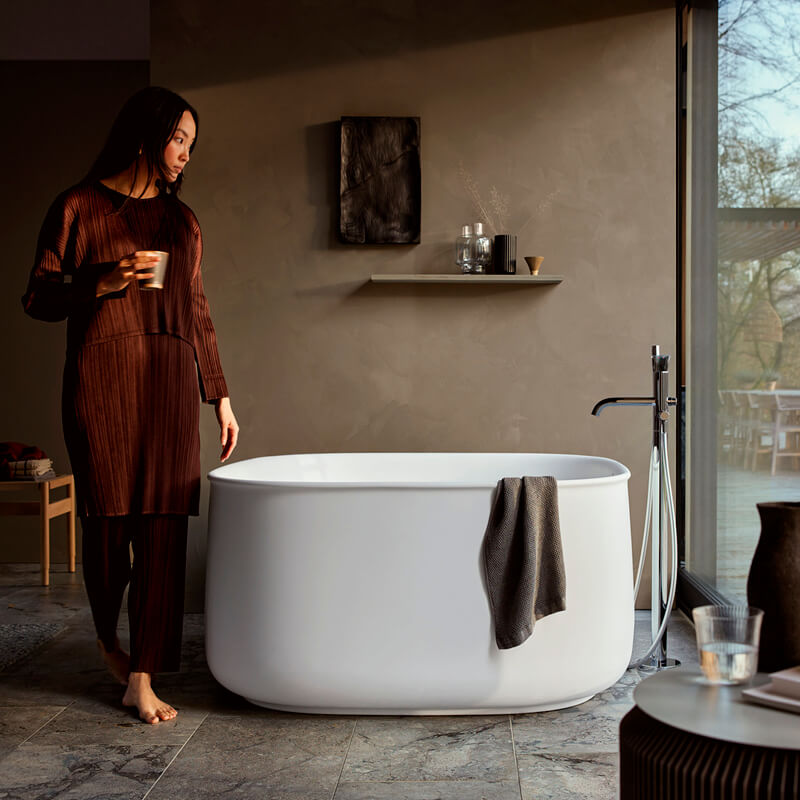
{"x":759,"y":64}
{"x":759,"y":168}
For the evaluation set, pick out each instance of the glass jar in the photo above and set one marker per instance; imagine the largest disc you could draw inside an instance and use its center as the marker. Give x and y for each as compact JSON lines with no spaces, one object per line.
{"x":464,"y":249}
{"x":482,"y":250}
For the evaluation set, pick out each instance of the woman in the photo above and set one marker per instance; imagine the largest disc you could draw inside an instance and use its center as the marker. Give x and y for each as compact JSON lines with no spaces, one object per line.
{"x":130,"y":401}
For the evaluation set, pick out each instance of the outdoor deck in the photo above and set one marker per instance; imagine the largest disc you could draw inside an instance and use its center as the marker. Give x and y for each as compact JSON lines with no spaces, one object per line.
{"x":738,"y":525}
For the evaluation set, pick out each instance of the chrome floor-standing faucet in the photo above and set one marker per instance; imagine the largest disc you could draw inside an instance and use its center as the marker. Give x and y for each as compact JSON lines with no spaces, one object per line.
{"x":660,"y":516}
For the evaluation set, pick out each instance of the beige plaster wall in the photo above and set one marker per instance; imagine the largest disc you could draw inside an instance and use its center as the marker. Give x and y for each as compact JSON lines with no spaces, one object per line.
{"x":572,"y":120}
{"x":571,"y":116}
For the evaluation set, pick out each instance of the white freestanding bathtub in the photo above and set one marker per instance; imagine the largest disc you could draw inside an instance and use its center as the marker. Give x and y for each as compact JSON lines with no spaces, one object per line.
{"x":353,"y":583}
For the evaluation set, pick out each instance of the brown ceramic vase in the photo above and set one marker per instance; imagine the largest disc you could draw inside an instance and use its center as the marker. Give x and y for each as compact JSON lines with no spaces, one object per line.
{"x":773,"y":585}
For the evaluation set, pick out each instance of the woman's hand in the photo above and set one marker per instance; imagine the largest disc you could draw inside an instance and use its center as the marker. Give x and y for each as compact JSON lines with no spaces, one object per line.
{"x":228,"y":427}
{"x":125,"y":271}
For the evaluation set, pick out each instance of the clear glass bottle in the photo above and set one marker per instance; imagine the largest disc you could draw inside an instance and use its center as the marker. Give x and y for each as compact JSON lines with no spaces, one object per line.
{"x":464,"y":257}
{"x":481,"y":250}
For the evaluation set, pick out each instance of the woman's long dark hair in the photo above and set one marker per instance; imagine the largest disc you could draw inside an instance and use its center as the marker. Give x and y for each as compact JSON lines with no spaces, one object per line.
{"x":144,"y":126}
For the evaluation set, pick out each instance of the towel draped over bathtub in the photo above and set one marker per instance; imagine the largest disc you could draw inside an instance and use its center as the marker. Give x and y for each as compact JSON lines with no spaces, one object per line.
{"x":522,"y":557}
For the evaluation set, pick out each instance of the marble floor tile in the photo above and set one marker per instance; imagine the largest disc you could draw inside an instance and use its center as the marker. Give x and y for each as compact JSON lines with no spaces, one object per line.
{"x":43,"y":689}
{"x":52,"y":604}
{"x":102,"y":719}
{"x":566,"y":777}
{"x":589,"y":727}
{"x":62,"y":672}
{"x":429,"y":790}
{"x":430,"y":748}
{"x":571,"y":731}
{"x":617,"y":699}
{"x":259,"y":754}
{"x":17,"y":723}
{"x":87,"y":772}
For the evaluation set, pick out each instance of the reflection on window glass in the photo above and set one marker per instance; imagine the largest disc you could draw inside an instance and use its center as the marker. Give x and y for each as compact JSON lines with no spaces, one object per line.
{"x":758,"y":322}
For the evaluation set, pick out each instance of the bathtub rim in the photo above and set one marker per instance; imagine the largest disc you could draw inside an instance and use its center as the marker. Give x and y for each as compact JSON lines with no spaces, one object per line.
{"x":622,"y":473}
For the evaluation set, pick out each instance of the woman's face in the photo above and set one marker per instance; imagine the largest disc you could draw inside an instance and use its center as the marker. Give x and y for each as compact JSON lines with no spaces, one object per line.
{"x":176,"y":153}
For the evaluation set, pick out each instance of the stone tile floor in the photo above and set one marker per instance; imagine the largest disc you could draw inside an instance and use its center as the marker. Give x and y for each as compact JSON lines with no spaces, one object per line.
{"x":63,"y":732}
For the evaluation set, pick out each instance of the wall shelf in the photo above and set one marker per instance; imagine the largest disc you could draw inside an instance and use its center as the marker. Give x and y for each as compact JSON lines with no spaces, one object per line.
{"x":462,"y":278}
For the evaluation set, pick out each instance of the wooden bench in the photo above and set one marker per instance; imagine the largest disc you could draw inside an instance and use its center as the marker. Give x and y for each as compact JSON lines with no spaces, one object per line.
{"x":47,"y":509}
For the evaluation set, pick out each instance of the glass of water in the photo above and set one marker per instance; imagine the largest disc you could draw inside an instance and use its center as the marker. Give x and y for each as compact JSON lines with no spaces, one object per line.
{"x":727,"y":642}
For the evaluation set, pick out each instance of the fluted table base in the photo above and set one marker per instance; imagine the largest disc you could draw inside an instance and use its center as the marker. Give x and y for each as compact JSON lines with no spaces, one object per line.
{"x":659,"y":762}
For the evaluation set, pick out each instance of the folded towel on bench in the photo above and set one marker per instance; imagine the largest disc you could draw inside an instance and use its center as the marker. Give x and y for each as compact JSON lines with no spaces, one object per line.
{"x":11,"y":452}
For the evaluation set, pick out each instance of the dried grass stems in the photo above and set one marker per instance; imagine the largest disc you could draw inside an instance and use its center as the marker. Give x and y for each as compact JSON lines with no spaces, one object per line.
{"x":495,"y":213}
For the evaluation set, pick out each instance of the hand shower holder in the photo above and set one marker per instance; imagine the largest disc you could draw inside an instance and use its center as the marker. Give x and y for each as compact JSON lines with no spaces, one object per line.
{"x":660,"y":516}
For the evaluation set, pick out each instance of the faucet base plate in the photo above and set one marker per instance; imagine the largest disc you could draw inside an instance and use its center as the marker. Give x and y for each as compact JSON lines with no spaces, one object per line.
{"x":653,"y":665}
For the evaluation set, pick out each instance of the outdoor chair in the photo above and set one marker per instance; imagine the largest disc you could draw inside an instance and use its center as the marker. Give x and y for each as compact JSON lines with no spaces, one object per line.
{"x":786,"y":429}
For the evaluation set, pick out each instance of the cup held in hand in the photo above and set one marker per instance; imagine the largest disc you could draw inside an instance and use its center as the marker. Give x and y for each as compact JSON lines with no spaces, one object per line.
{"x":159,"y":270}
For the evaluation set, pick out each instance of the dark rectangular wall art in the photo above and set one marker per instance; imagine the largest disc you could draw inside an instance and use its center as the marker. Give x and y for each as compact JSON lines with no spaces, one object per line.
{"x":380,"y":188}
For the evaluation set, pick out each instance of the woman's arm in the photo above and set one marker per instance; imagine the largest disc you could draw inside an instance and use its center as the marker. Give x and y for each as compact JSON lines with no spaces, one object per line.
{"x":213,"y":387}
{"x":60,"y":284}
{"x":209,"y":366}
{"x":56,"y":288}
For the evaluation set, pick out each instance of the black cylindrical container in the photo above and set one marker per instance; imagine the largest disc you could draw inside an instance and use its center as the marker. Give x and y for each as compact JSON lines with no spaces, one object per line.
{"x":505,"y":254}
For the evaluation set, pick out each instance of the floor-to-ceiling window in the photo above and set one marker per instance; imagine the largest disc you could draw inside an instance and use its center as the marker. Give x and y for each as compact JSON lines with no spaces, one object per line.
{"x":742,"y":278}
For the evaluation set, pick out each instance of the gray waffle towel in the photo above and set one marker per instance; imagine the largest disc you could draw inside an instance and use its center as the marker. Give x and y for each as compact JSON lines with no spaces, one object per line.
{"x":522,"y":557}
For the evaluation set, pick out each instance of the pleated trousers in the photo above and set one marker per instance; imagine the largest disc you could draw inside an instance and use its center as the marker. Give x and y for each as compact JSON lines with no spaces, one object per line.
{"x":156,"y":574}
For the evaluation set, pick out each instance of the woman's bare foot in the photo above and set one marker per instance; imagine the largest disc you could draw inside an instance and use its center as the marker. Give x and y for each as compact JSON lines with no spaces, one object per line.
{"x":140,"y":694}
{"x":117,"y":661}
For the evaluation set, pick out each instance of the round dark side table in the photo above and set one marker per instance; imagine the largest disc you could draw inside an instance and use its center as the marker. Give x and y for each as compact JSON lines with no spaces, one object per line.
{"x":687,"y":739}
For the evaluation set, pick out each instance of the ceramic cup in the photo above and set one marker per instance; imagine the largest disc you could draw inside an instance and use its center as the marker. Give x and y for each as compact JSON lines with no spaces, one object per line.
{"x":534,"y":262}
{"x":727,"y":642}
{"x":159,"y":270}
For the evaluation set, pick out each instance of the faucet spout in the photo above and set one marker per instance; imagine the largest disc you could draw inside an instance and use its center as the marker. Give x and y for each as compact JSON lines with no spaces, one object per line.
{"x":621,"y":401}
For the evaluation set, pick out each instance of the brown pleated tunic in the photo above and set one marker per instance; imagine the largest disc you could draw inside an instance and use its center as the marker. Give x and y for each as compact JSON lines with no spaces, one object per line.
{"x":138,"y":361}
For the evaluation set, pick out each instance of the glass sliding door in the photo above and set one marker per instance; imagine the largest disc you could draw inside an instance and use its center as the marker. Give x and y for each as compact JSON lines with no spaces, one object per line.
{"x":741,"y":271}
